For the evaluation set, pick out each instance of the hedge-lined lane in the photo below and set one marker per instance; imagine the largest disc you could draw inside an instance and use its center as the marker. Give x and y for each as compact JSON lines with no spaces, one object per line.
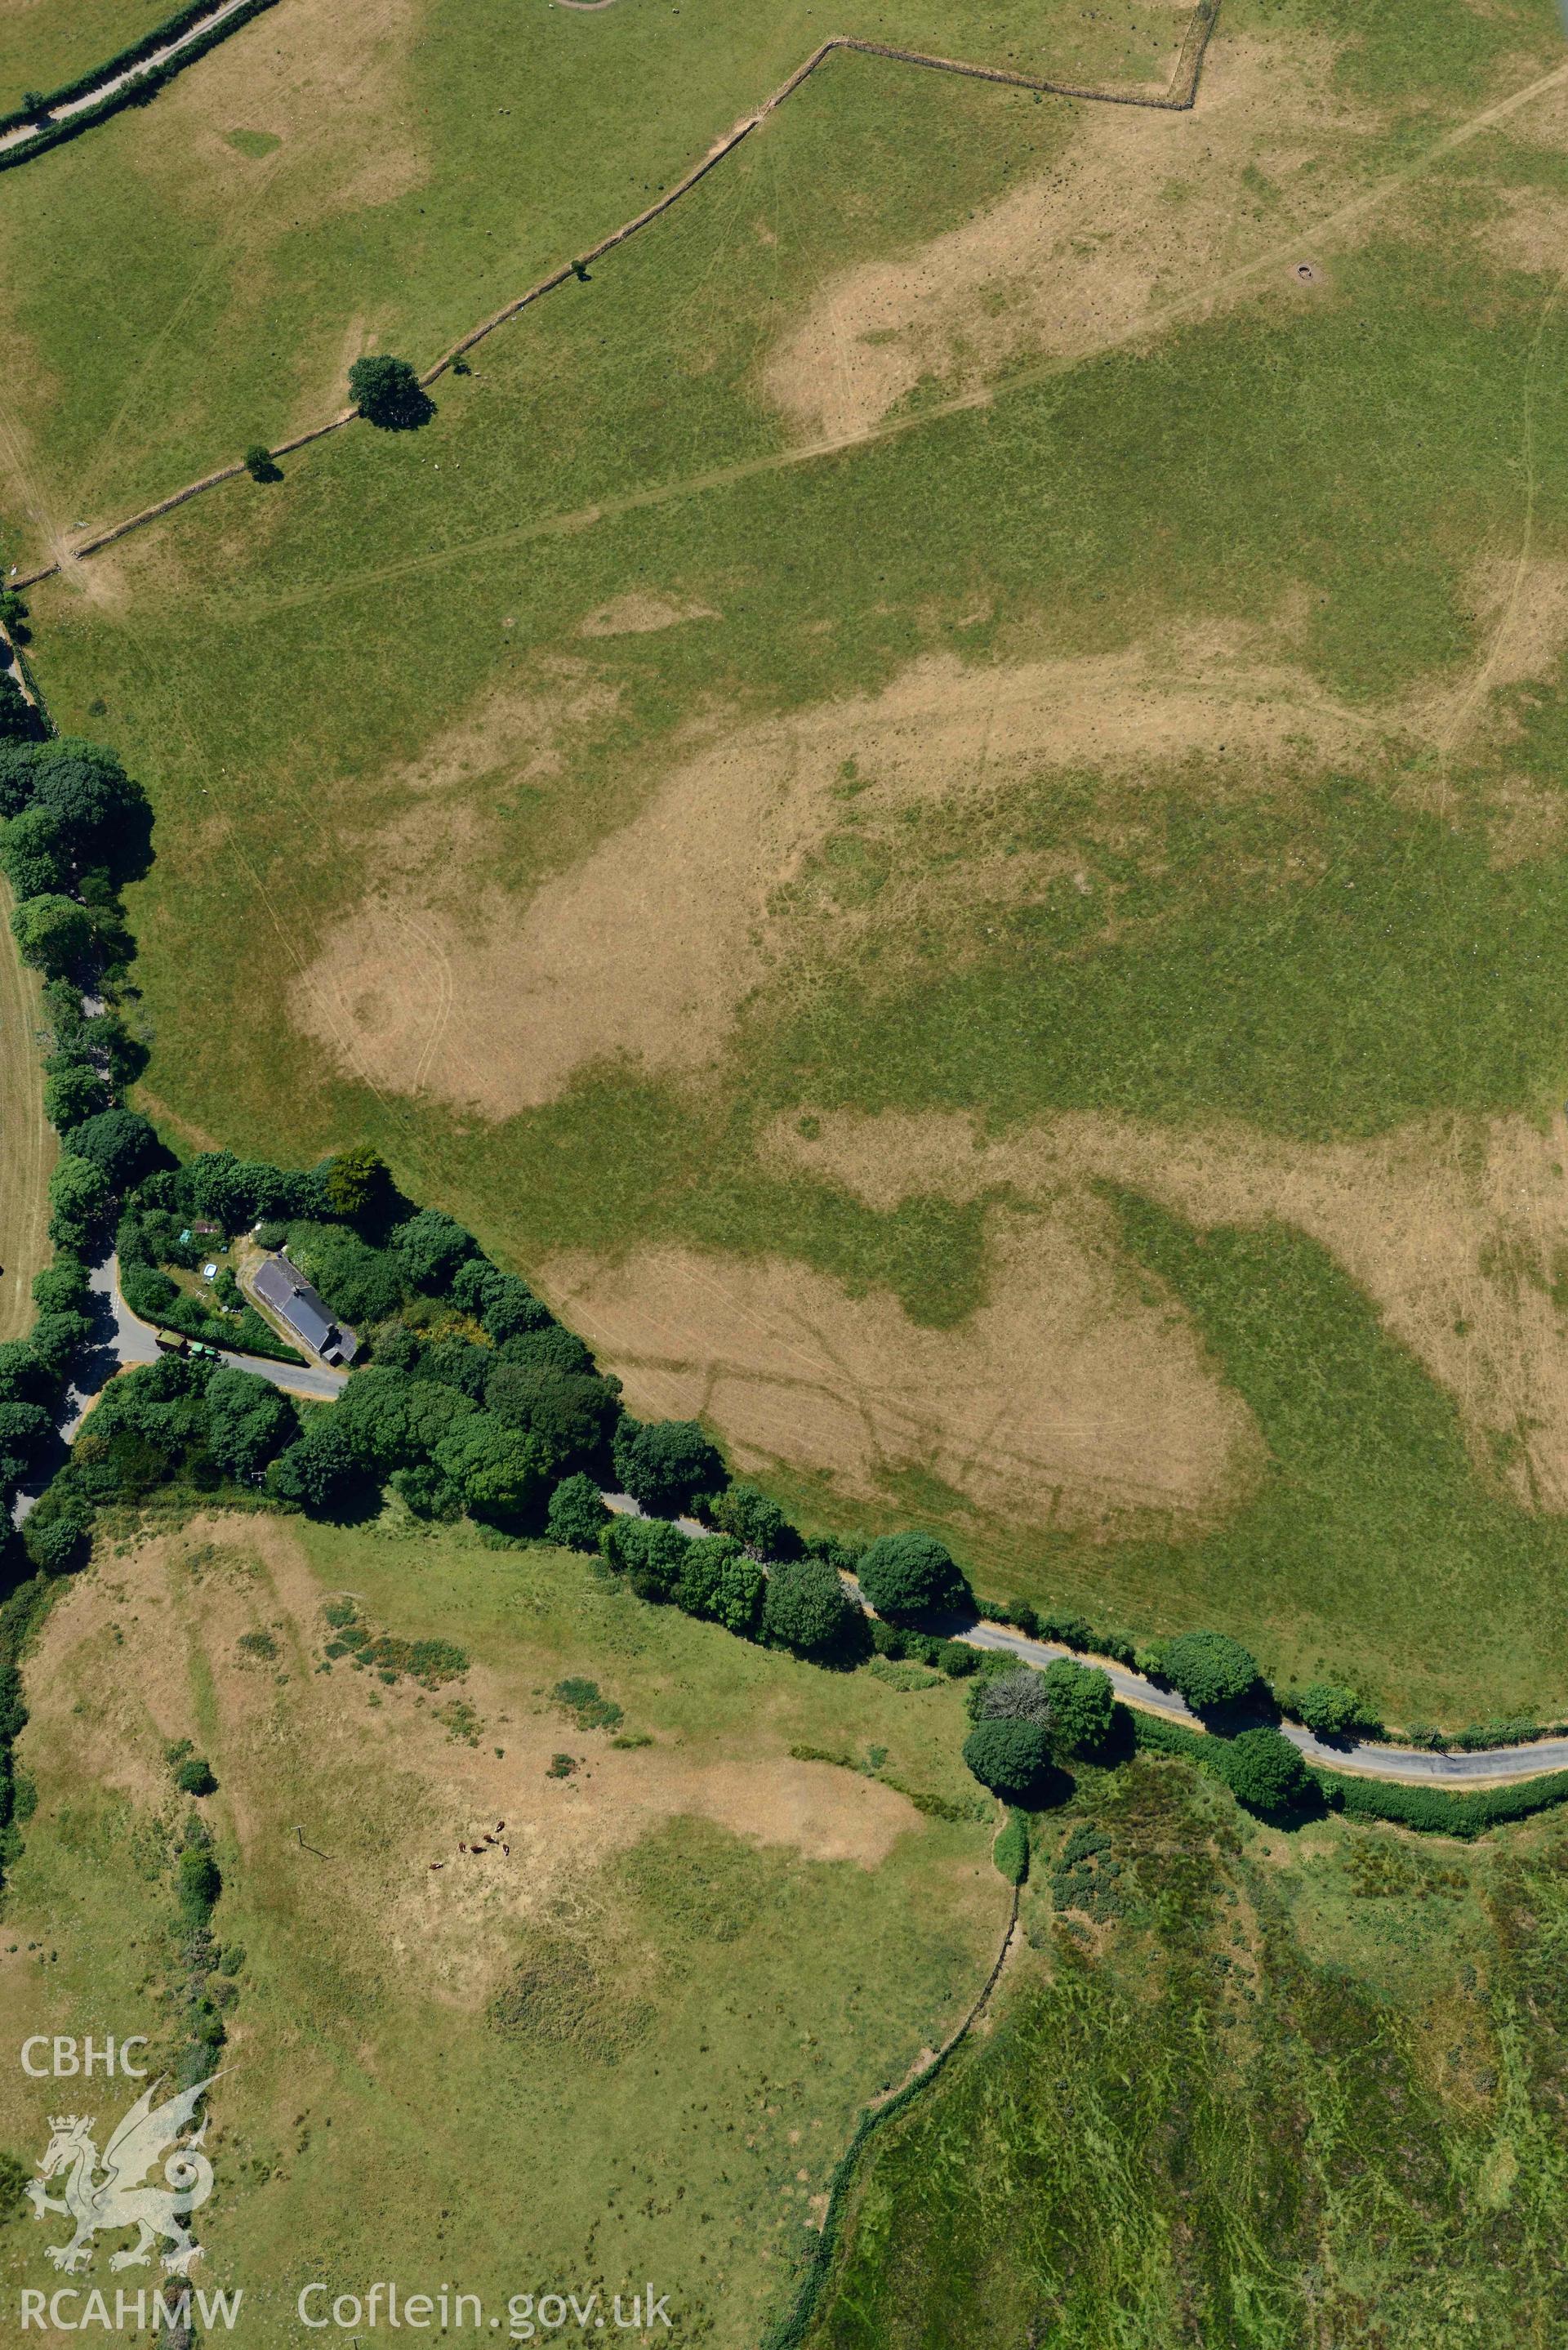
{"x":149,"y":61}
{"x":1355,"y":1757}
{"x":133,"y":1343}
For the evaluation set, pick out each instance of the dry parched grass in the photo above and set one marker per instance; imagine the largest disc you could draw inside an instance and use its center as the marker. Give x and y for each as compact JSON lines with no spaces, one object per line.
{"x":1141,"y":209}
{"x":1457,"y":1229}
{"x":147,"y":1651}
{"x":1066,"y":1397}
{"x":648,"y":947}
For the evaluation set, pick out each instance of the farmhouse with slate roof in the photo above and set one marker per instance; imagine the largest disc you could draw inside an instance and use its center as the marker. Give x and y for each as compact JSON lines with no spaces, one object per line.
{"x":285,"y":1288}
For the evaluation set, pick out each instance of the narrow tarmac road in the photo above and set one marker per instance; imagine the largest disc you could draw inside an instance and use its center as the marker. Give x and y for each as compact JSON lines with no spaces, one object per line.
{"x":1492,"y":1766}
{"x":100,"y":90}
{"x":122,"y":1339}
{"x":1365,"y":1757}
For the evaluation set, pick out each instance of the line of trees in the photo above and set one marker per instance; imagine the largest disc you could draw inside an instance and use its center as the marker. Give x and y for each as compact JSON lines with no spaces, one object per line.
{"x":77,"y":829}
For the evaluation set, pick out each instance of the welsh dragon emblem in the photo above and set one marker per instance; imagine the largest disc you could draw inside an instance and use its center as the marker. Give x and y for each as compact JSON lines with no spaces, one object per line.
{"x":118,"y":2199}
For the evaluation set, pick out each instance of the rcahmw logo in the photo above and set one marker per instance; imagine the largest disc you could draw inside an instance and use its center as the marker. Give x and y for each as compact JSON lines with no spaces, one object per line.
{"x":108,"y":2192}
{"x":71,"y":2309}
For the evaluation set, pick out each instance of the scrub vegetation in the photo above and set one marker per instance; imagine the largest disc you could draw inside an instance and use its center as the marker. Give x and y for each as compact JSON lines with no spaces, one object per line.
{"x":1244,"y":2087}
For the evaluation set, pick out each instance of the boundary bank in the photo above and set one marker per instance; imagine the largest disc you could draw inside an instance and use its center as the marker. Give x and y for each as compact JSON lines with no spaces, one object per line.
{"x":1179,"y":97}
{"x":790,"y":2331}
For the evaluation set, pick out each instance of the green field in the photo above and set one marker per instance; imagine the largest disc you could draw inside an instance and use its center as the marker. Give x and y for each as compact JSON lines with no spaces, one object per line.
{"x":678,"y":843}
{"x":201,"y":271}
{"x":632,"y":2045}
{"x":1285,"y":2091}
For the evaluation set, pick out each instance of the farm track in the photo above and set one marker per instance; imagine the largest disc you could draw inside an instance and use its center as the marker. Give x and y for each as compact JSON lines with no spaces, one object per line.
{"x":1179,"y":99}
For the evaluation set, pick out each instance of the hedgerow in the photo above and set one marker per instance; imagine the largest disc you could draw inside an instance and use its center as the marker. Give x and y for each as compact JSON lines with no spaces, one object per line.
{"x":1432,"y":1812}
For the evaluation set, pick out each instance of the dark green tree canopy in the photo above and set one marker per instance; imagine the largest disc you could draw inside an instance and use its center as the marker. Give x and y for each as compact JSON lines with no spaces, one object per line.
{"x":318,"y":1470}
{"x":1011,"y":1758}
{"x":72,"y":1095}
{"x":62,"y":1287}
{"x":234,"y":1192}
{"x":24,"y":1374}
{"x":78,"y":1201}
{"x":806,"y":1607}
{"x":122,"y":1142}
{"x":19,"y":721}
{"x":358,"y":1183}
{"x":511,"y":1308}
{"x":572,"y":1418}
{"x":23,"y":1427}
{"x":58,"y":1533}
{"x":649,"y":1552}
{"x":16,"y":772}
{"x":1082,"y":1705}
{"x":1325,"y":1707}
{"x":665,"y":1464}
{"x":549,"y":1349}
{"x":458,"y":1362}
{"x":754,"y":1520}
{"x":1266,"y":1772}
{"x":54,"y":933}
{"x":249,"y":1421}
{"x":1210,"y":1668}
{"x":394,"y":1421}
{"x":103,"y":813}
{"x":361,"y":1283}
{"x":576,"y":1514}
{"x":432,"y":1246}
{"x":719,"y":1582}
{"x":387,"y":393}
{"x":35,"y":855}
{"x":908,"y":1575}
{"x":498,"y":1471}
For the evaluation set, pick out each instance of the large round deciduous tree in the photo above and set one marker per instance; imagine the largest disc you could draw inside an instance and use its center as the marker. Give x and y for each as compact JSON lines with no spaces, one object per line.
{"x":387,"y":393}
{"x":1011,"y":1758}
{"x":1081,"y":1704}
{"x":665,"y":1464}
{"x":1210,"y":1668}
{"x":906,"y":1576}
{"x":806,"y":1607}
{"x":54,"y":933}
{"x":122,"y":1142}
{"x":1265,"y":1772}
